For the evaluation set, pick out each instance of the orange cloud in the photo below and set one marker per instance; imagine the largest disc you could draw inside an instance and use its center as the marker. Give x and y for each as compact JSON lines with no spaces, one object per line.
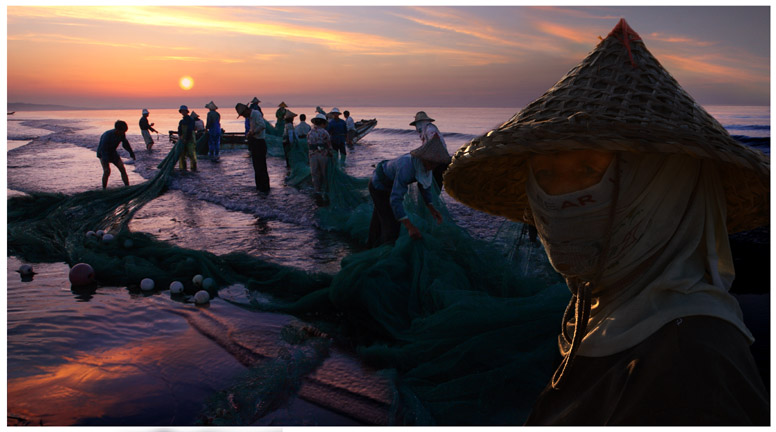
{"x":710,"y":69}
{"x":679,"y":39}
{"x":214,"y":19}
{"x":575,"y":35}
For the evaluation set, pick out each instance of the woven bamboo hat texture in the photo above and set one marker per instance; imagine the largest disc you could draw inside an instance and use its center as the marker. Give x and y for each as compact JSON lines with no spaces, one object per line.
{"x":620,"y":99}
{"x":433,"y":151}
{"x":211,"y":105}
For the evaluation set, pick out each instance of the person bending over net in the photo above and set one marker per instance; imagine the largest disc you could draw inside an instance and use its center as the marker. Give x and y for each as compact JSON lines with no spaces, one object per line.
{"x":108,"y":154}
{"x":389,"y":184}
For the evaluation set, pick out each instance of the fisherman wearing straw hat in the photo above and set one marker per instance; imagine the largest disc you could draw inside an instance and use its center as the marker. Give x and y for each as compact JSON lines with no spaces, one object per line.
{"x":186,"y":129}
{"x":428,"y":131}
{"x":254,"y":105}
{"x":145,"y":127}
{"x":199,"y":125}
{"x":280,"y":116}
{"x":256,"y":145}
{"x":338,"y":130}
{"x":289,"y":135}
{"x":319,"y":152}
{"x":213,"y":127}
{"x":389,"y":184}
{"x":633,"y":188}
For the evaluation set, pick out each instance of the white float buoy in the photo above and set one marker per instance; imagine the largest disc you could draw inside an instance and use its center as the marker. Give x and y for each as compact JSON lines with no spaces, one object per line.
{"x":197,"y":280}
{"x":201,"y":297}
{"x":107,"y":238}
{"x":147,"y":284}
{"x":128,"y":243}
{"x":25,"y":270}
{"x":208,"y":283}
{"x":81,"y":274}
{"x":100,"y":233}
{"x":91,"y":234}
{"x":176,"y":287}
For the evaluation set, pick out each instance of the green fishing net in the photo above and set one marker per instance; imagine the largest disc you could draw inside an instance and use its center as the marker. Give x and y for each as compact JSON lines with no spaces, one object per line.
{"x":467,"y":336}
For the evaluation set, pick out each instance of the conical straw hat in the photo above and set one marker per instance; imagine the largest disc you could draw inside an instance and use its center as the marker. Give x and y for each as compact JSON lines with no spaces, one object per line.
{"x":433,"y":151}
{"x":620,"y":99}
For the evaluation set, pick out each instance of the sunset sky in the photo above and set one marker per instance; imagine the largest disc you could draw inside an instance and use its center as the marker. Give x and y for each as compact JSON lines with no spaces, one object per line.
{"x":500,"y":56}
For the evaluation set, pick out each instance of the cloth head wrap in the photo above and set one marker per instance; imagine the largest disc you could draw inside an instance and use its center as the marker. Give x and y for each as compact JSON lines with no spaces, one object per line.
{"x":668,"y":254}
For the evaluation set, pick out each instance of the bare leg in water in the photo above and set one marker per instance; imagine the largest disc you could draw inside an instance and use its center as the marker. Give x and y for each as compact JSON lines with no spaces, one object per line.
{"x":106,"y":172}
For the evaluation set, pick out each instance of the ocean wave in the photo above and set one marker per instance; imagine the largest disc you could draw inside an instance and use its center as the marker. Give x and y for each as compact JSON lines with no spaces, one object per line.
{"x":412,"y":132}
{"x":753,"y":141}
{"x":748,"y":127}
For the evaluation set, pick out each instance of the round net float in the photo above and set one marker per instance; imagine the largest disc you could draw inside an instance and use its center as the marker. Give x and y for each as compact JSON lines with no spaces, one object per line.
{"x":81,"y":274}
{"x":208,"y":283}
{"x":147,"y":284}
{"x":197,"y":280}
{"x":176,"y":287}
{"x":201,"y":297}
{"x":25,"y":270}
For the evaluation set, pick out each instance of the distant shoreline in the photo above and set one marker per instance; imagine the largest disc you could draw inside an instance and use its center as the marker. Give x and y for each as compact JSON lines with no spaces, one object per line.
{"x":23,"y":106}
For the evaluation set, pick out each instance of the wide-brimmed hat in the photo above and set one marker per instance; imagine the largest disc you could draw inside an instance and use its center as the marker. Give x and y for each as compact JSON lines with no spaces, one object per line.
{"x":194,"y":115}
{"x":335,"y":110}
{"x":282,"y":105}
{"x":145,"y":111}
{"x":618,"y":99}
{"x":289,"y":114}
{"x":241,"y":108}
{"x":255,"y":100}
{"x":211,"y":105}
{"x":433,"y":151}
{"x":319,"y":117}
{"x":421,"y":116}
{"x":183,"y":108}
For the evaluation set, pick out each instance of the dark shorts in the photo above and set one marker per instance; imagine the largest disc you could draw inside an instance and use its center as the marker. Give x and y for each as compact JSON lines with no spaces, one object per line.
{"x":114,"y":159}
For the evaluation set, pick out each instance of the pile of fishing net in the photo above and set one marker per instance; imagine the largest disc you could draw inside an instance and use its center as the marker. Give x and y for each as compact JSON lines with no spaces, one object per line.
{"x":467,"y":336}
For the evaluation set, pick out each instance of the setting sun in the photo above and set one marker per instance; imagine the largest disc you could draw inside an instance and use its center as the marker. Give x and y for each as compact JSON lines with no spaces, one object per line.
{"x":186,"y":82}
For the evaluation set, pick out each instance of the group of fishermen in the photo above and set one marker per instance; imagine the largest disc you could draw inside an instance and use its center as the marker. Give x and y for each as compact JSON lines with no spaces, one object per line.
{"x":328,"y":136}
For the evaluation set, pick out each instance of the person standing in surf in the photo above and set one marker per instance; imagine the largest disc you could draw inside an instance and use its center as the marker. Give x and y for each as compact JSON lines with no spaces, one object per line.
{"x":303,"y":128}
{"x":106,"y":151}
{"x":289,"y":136}
{"x":213,"y":127}
{"x":351,"y":129}
{"x":320,"y":151}
{"x":256,"y":145}
{"x":145,"y":127}
{"x":186,"y":128}
{"x":338,"y":129}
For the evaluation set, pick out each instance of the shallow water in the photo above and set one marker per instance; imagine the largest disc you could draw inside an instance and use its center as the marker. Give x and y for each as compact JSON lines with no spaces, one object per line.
{"x":119,"y":357}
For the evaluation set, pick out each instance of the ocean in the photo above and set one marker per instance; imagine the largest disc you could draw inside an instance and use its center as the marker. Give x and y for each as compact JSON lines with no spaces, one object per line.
{"x":117,"y":357}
